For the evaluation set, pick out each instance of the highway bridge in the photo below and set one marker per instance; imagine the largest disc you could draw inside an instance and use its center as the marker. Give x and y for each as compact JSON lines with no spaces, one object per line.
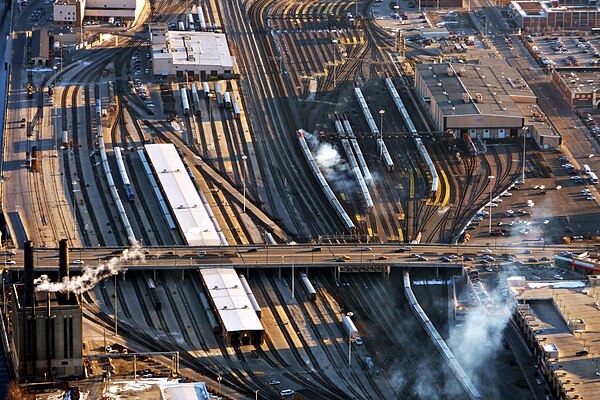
{"x":373,"y":256}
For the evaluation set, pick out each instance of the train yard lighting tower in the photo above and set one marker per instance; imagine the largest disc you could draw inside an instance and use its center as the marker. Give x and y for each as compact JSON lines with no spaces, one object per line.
{"x":490,"y":177}
{"x":244,"y":158}
{"x":350,"y":315}
{"x":381,"y":112}
{"x":334,"y":42}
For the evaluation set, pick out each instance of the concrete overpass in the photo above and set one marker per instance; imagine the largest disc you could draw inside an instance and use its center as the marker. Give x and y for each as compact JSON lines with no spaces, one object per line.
{"x":375,"y":256}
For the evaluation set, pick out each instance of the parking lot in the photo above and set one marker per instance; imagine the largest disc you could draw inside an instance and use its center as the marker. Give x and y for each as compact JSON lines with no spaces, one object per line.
{"x":565,"y":51}
{"x":541,"y":210}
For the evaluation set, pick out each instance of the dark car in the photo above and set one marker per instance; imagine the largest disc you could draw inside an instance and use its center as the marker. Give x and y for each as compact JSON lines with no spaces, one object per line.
{"x":533,"y":260}
{"x":252,"y":250}
{"x":582,"y":353}
{"x":316,"y":249}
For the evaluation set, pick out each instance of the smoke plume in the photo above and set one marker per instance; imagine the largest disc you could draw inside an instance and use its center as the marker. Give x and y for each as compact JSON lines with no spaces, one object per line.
{"x":91,"y":274}
{"x":329,"y":160}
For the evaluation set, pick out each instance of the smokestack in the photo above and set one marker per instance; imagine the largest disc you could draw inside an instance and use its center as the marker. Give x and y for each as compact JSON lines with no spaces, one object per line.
{"x":63,"y":259}
{"x":63,"y":267}
{"x":28,"y":261}
{"x":28,"y":301}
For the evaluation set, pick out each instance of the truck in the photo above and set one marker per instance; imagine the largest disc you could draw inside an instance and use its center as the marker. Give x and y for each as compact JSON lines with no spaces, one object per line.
{"x":350,"y":328}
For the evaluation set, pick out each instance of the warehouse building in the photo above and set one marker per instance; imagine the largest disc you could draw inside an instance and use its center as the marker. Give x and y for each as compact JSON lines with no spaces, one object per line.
{"x":581,"y":88}
{"x":199,"y":55}
{"x":239,"y":323}
{"x":549,"y":16}
{"x":477,"y":99}
{"x":75,"y":11}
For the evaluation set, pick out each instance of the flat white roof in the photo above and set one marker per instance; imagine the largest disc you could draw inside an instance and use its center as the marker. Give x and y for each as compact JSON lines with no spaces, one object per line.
{"x":194,"y":48}
{"x":183,"y":391}
{"x":230,"y":299}
{"x":188,"y":209}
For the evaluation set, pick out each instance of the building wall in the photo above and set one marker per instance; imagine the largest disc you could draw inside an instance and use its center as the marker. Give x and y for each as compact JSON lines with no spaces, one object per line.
{"x":128,"y":9}
{"x":560,"y":20}
{"x":66,"y":332}
{"x":165,"y":66}
{"x":69,"y":13}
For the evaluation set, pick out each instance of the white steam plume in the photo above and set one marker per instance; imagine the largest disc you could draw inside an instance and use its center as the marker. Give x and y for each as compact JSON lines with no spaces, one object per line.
{"x":329,"y":160}
{"x":91,"y":274}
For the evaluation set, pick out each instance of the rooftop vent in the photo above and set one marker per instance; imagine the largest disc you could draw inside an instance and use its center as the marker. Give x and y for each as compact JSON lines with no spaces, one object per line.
{"x":450,"y":71}
{"x":478,"y":97}
{"x":466,"y":97}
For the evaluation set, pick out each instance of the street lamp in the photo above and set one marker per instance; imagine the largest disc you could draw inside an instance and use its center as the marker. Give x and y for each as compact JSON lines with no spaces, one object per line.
{"x":60,"y":35}
{"x":74,"y":207}
{"x":525,"y":130}
{"x":256,"y":394}
{"x":349,"y":315}
{"x":381,"y":112}
{"x":244,"y":158}
{"x":490,"y":177}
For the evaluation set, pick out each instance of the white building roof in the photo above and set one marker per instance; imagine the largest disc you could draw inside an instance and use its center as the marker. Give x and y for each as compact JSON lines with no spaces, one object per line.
{"x":188,"y":209}
{"x":194,"y":48}
{"x":230,"y":300}
{"x":183,"y":391}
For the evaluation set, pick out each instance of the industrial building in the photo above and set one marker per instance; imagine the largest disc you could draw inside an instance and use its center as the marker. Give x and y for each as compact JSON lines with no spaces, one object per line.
{"x":477,"y":99}
{"x":199,"y":55}
{"x":69,"y":12}
{"x":46,"y":327}
{"x":436,"y":4}
{"x":190,"y":212}
{"x":559,"y":321}
{"x":40,"y":46}
{"x":549,"y":16}
{"x":239,"y":323}
{"x":75,"y":11}
{"x":581,"y":88}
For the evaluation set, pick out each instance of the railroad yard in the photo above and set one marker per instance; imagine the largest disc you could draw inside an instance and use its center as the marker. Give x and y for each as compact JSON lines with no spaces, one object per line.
{"x":290,"y":199}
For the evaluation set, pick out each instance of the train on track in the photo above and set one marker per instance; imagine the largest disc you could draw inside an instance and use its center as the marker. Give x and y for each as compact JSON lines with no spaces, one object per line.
{"x":312,"y":293}
{"x":154,"y":299}
{"x":210,"y":314}
{"x":470,"y":145}
{"x":362,"y":185}
{"x":109,"y":178}
{"x":251,"y":296}
{"x":196,"y":99}
{"x":185,"y":103}
{"x":435,"y":181}
{"x":124,"y":175}
{"x":348,"y":224}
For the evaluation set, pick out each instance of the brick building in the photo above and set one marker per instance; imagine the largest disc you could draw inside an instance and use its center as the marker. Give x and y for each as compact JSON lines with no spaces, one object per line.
{"x":549,"y":16}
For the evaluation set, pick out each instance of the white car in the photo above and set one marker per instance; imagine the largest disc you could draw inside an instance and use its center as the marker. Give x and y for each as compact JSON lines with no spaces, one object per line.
{"x":486,"y":251}
{"x":78,"y":262}
{"x":10,"y":262}
{"x":286,"y":392}
{"x":491,"y":205}
{"x":506,"y":194}
{"x":358,"y":340}
{"x":497,"y":201}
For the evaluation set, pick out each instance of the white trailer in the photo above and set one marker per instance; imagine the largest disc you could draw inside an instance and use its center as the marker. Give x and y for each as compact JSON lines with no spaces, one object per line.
{"x":350,"y":328}
{"x":185,"y":104}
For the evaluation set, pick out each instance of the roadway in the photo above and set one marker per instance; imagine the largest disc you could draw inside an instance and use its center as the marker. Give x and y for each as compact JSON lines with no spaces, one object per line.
{"x":270,"y":256}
